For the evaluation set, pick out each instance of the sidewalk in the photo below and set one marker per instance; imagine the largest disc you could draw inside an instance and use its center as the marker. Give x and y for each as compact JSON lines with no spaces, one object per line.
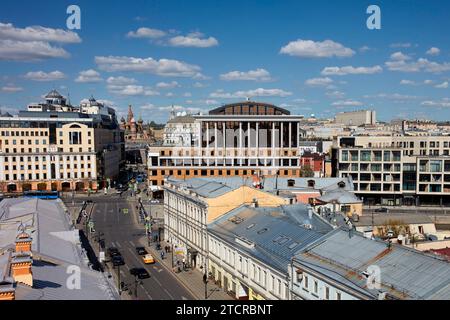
{"x":192,"y":279}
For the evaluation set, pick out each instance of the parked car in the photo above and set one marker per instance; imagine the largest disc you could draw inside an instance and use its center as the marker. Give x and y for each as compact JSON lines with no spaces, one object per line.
{"x":384,"y":210}
{"x":112,"y":251}
{"x":154,"y":201}
{"x":141,"y":251}
{"x":141,"y":273}
{"x":148,"y":259}
{"x":117,"y":261}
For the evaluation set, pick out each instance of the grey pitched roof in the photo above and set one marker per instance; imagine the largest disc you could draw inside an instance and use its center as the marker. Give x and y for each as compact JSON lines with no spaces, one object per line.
{"x":405,"y":273}
{"x":340,"y":196}
{"x":206,"y":188}
{"x":272,"y":183}
{"x":277,"y":233}
{"x":53,"y":240}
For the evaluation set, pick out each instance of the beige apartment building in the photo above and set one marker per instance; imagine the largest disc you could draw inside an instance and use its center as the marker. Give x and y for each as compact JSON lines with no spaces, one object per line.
{"x":396,"y":170}
{"x":59,"y":150}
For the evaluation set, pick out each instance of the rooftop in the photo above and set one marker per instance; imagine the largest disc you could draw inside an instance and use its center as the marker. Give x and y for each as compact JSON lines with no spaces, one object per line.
{"x":405,"y":273}
{"x":276,"y":234}
{"x":55,"y":247}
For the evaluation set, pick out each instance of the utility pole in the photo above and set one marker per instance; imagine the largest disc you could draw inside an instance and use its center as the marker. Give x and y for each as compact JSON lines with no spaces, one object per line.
{"x":205,"y":280}
{"x":118,"y":280}
{"x":136,"y":281}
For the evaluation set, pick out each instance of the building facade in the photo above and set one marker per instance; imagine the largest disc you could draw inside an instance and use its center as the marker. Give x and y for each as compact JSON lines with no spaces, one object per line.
{"x":234,"y":140}
{"x":59,"y":150}
{"x":356,"y":118}
{"x":397,"y":169}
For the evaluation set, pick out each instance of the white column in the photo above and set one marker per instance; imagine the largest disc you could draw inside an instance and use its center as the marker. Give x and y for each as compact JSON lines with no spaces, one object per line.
{"x":257,"y":137}
{"x":281,"y":135}
{"x":298,"y":134}
{"x":207,"y":144}
{"x":290,"y":134}
{"x":215,"y":137}
{"x":240,"y":143}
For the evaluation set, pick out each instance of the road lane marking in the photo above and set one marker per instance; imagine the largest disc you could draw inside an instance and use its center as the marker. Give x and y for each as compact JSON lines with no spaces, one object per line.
{"x":156,"y":279}
{"x":168,"y":293}
{"x":118,"y":245}
{"x":184,"y":298}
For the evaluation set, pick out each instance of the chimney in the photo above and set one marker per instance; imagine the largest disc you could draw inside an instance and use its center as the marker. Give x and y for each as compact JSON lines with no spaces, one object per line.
{"x":23,"y":242}
{"x":254,"y":203}
{"x":21,"y":268}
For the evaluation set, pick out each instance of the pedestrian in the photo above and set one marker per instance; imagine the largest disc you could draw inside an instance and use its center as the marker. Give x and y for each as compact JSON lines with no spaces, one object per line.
{"x":184,"y":263}
{"x":162,"y":255}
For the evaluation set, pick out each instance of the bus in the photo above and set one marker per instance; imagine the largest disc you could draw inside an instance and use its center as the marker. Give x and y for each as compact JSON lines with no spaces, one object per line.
{"x":47,"y":195}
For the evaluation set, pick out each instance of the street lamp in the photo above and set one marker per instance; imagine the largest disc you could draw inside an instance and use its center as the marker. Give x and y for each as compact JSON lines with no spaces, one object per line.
{"x":205,"y":281}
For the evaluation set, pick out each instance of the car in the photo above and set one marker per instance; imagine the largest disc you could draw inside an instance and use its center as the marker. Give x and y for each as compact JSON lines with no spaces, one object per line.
{"x":154,"y":201}
{"x":117,"y":261}
{"x":385,"y":210}
{"x":148,"y":259}
{"x":141,"y":273}
{"x":141,"y":251}
{"x":112,"y":251}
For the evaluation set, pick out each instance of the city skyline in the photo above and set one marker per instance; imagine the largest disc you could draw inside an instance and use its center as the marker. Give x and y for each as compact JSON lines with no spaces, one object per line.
{"x":309,"y":58}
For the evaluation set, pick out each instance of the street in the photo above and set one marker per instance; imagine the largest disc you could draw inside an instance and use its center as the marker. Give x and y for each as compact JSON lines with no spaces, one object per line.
{"x":122,"y":230}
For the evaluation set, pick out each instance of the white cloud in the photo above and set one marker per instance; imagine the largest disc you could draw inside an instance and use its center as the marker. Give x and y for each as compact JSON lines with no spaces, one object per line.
{"x":395,"y":97}
{"x":146,"y":33}
{"x":148,"y":106}
{"x":364,"y":49}
{"x":37,"y":33}
{"x":167,"y":85}
{"x":44,"y":76}
{"x":260,"y":92}
{"x":335,"y":94}
{"x":33,"y":43}
{"x":433,"y":51}
{"x":443,"y":85}
{"x":251,"y":75}
{"x":399,"y":62}
{"x":119,"y":81}
{"x":408,"y":82}
{"x":341,"y":71}
{"x":319,"y":82}
{"x":443,"y":103}
{"x":88,"y":76}
{"x":347,"y":103}
{"x":399,"y":56}
{"x":131,"y":90}
{"x":200,"y":85}
{"x":170,"y":94}
{"x":401,"y":45}
{"x":11,"y":89}
{"x":428,"y":81}
{"x":162,"y":67}
{"x":195,"y":39}
{"x":12,"y":50}
{"x":187,"y":94}
{"x":312,"y":49}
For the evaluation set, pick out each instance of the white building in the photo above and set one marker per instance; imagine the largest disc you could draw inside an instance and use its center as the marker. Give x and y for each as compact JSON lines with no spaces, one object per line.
{"x":356,"y":118}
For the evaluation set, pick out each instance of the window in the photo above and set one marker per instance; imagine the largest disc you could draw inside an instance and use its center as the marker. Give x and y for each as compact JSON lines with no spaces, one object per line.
{"x":316,"y":286}
{"x":74,"y":137}
{"x":327,"y":293}
{"x":338,"y":295}
{"x":305,"y":282}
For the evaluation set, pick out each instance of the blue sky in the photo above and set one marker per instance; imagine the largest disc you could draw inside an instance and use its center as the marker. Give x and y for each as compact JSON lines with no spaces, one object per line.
{"x":311,"y":57}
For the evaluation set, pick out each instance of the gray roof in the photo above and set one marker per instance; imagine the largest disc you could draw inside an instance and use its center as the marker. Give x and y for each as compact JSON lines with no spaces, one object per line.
{"x":182,"y":119}
{"x":284,"y":221}
{"x":55,"y":241}
{"x":206,"y":188}
{"x":405,"y":273}
{"x":340,"y":196}
{"x":269,"y":183}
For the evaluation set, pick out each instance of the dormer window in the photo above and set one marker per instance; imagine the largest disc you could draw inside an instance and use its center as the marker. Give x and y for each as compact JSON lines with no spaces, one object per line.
{"x":291,"y":182}
{"x":311,"y":183}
